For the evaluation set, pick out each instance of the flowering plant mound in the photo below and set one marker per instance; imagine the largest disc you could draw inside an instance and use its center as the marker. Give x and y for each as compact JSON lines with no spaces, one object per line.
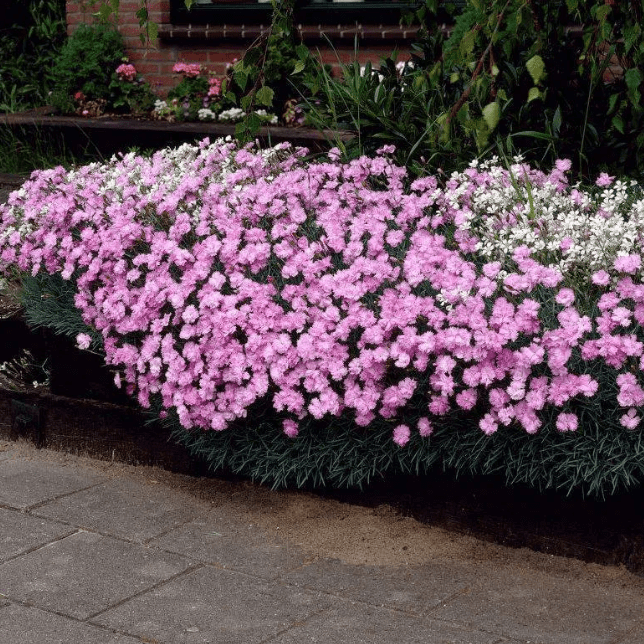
{"x":221,"y":278}
{"x":203,"y":97}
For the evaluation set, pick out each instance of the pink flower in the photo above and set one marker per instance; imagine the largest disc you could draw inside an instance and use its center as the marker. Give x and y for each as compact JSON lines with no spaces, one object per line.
{"x":190,"y":70}
{"x":630,"y":419}
{"x":567,"y":422}
{"x":424,"y":427}
{"x":604,"y":180}
{"x":565,"y":296}
{"x":83,"y":341}
{"x":601,"y":278}
{"x":401,"y":435}
{"x":126,"y":72}
{"x":627,"y":263}
{"x":290,"y":428}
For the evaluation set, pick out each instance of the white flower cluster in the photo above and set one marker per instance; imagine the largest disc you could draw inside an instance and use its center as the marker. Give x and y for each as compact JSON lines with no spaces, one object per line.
{"x":562,"y":225}
{"x":206,"y":114}
{"x":232,"y":115}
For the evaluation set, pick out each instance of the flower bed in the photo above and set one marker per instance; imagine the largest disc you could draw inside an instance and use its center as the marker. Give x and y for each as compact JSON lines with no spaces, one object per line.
{"x":326,"y":322}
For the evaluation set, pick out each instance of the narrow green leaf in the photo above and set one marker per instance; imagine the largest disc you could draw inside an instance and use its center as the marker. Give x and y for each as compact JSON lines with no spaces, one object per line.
{"x":556,"y":122}
{"x":633,"y":79}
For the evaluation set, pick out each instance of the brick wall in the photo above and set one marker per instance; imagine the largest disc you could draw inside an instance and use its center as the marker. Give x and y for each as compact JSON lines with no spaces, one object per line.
{"x":215,"y":45}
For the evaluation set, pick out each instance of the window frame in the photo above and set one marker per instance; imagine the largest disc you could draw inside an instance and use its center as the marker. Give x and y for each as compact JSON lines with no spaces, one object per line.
{"x":329,"y":13}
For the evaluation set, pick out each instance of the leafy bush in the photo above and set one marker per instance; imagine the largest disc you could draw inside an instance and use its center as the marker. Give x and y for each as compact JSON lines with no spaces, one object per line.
{"x":553,"y":79}
{"x":490,"y":324}
{"x":85,"y":66}
{"x":32,"y":34}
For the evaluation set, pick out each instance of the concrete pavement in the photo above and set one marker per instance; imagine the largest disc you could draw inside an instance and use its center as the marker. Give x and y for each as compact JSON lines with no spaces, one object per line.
{"x":96,"y":553}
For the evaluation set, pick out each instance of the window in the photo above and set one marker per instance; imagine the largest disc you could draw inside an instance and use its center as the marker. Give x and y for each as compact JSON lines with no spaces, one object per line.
{"x":307,"y":12}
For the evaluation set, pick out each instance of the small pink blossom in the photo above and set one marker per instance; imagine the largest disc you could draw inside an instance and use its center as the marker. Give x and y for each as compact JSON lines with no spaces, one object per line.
{"x":565,"y":296}
{"x":601,"y":278}
{"x":83,"y":341}
{"x":604,"y":180}
{"x":424,"y":427}
{"x":567,"y":422}
{"x":630,"y":419}
{"x":290,"y":428}
{"x":401,"y":435}
{"x":627,"y":263}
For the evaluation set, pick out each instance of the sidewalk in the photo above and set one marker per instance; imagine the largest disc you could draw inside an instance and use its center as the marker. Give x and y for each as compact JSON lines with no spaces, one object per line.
{"x":97,"y":553}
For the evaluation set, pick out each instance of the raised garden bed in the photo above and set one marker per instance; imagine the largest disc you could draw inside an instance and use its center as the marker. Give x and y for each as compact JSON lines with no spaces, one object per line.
{"x":109,"y":134}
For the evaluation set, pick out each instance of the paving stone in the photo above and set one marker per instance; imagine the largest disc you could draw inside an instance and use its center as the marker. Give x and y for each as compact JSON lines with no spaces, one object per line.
{"x":538,"y":607}
{"x":6,"y":450}
{"x":86,"y":573}
{"x":213,"y":606}
{"x":22,"y":625}
{"x":359,"y":624}
{"x":20,"y":532}
{"x":415,"y":588}
{"x":24,"y":483}
{"x":636,"y":636}
{"x":232,"y":544}
{"x":123,"y":508}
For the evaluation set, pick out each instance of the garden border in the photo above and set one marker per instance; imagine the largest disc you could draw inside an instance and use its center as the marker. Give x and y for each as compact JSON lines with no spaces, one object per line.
{"x":107,"y":134}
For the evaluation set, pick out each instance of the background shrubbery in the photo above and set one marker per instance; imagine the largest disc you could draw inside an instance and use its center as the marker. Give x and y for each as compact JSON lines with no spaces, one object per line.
{"x":32,"y":34}
{"x":550,"y":79}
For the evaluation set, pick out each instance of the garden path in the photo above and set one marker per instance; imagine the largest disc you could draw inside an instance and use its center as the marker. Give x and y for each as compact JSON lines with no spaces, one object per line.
{"x":100,"y":552}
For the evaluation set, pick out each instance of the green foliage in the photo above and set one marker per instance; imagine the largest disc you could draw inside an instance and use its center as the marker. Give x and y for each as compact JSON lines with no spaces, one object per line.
{"x":86,"y":64}
{"x":32,"y":33}
{"x":598,"y":460}
{"x":532,"y":76}
{"x":48,"y":302}
{"x":189,"y":94}
{"x":265,"y":76}
{"x":131,"y":97}
{"x":25,"y":149}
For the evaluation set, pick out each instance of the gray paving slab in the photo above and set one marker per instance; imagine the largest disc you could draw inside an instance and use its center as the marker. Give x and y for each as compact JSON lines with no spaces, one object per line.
{"x":545,"y":609}
{"x":213,"y":606}
{"x":28,"y":625}
{"x":86,"y":573}
{"x":636,"y":636}
{"x":123,"y":508}
{"x":25,"y":482}
{"x":234,"y":544}
{"x":415,"y":588}
{"x":359,"y":624}
{"x":20,"y":532}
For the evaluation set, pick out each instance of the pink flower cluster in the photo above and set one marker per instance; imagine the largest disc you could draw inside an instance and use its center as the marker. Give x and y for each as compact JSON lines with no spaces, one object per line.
{"x":126,"y":72}
{"x":214,"y":86}
{"x":191,"y":70}
{"x":220,"y":275}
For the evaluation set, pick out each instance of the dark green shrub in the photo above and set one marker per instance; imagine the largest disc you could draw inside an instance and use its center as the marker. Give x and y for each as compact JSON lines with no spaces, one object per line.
{"x":551,"y":79}
{"x":86,"y":64}
{"x":32,"y":34}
